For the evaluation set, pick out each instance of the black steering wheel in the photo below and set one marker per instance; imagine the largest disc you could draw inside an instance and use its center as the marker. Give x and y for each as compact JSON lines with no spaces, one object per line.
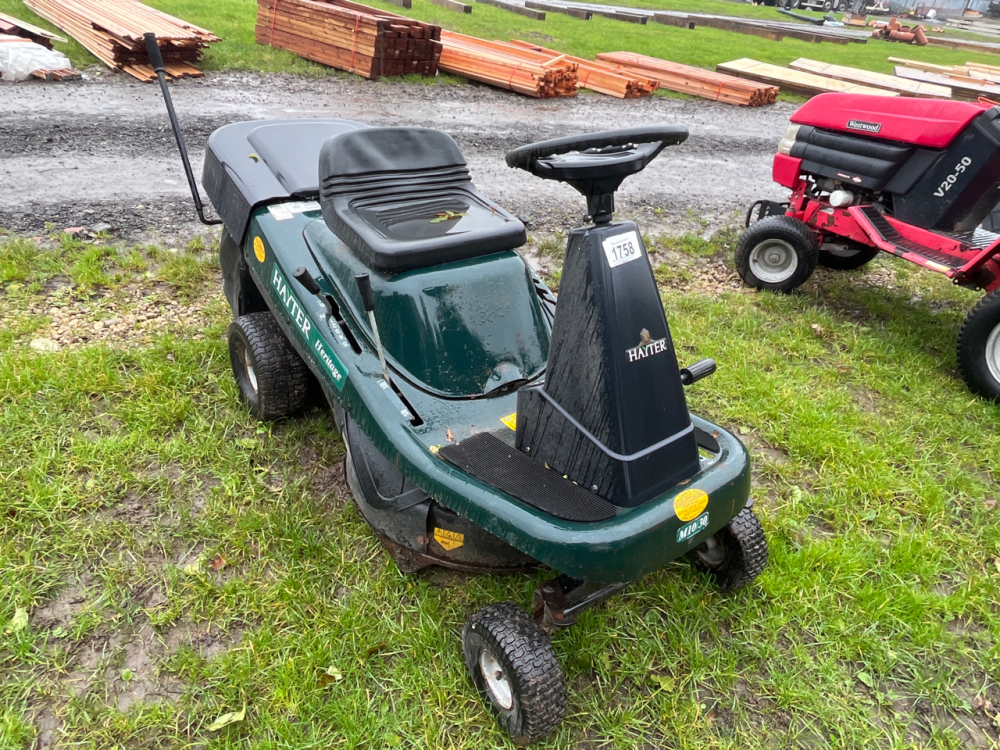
{"x":596,"y":163}
{"x":596,"y":155}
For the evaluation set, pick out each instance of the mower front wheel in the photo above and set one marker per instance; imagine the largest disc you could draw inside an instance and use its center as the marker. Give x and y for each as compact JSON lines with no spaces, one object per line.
{"x":777,"y":254}
{"x":845,"y":257}
{"x":512,"y":664}
{"x":736,"y":555}
{"x":272,"y":378}
{"x":979,"y":348}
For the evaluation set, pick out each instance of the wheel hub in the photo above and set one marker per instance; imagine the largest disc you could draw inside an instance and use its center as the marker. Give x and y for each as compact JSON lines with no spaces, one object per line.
{"x":993,"y":353}
{"x":496,"y":681}
{"x":712,"y":552}
{"x":773,"y":261}
{"x":248,"y":368}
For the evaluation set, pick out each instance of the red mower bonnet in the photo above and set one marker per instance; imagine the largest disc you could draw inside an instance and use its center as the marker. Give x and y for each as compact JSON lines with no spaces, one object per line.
{"x":922,"y":122}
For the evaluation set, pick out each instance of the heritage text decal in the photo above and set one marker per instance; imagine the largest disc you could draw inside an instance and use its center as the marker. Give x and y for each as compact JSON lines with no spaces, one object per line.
{"x":312,"y":338}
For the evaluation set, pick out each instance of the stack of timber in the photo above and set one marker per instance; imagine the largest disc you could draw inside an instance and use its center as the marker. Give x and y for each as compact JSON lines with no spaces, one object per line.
{"x":15,"y":27}
{"x":112,"y":30}
{"x":602,"y":77}
{"x":349,"y":36}
{"x":46,"y":74}
{"x":688,"y":79}
{"x":966,"y":82}
{"x":964,"y":44}
{"x":794,"y":81}
{"x":508,"y":66}
{"x":870,"y":78}
{"x":976,"y":26}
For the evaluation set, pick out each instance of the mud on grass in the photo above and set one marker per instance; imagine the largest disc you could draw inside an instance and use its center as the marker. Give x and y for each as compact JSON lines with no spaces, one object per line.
{"x":164,"y":560}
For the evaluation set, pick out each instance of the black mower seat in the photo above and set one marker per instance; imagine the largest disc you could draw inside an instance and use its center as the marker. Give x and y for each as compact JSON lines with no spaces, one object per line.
{"x":402,"y":198}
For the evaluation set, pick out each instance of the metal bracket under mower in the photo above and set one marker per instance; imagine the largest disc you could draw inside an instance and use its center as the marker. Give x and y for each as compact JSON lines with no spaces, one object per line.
{"x":558,"y":602}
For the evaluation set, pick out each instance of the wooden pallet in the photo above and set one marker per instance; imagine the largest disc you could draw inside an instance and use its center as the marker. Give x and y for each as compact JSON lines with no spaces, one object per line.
{"x":870,"y":78}
{"x":509,"y":67}
{"x":350,"y":36}
{"x":601,"y":77}
{"x":688,"y":79}
{"x":962,"y":87}
{"x":16,"y":27}
{"x":797,"y":82}
{"x":112,"y":30}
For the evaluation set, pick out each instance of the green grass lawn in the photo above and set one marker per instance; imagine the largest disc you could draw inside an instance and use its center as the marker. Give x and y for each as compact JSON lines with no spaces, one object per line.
{"x":165,"y":560}
{"x":233,"y":21}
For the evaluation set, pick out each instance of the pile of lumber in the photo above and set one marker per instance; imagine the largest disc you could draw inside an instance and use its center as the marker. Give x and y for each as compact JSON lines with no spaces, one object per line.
{"x":870,"y":78}
{"x":112,"y":30}
{"x":794,"y":81}
{"x":602,"y":77}
{"x":688,"y":79}
{"x":349,"y":36}
{"x":15,"y":27}
{"x":967,"y":82}
{"x":540,"y":74}
{"x":46,"y":74}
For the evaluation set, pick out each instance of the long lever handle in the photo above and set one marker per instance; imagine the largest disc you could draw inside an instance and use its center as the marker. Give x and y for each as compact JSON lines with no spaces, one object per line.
{"x":156,"y":60}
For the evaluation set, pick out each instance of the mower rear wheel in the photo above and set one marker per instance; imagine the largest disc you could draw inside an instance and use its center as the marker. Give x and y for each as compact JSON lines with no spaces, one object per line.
{"x":979,"y":348}
{"x":736,"y":555}
{"x":845,"y":257}
{"x":272,"y":378}
{"x":777,"y":253}
{"x":513,"y":666}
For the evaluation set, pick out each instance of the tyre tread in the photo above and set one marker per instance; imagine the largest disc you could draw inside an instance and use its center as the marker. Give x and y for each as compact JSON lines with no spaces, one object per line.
{"x":978,"y":325}
{"x":283,"y":379}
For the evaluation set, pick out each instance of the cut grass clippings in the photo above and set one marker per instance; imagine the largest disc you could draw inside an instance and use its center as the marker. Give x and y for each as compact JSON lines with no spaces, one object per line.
{"x":193,"y":578}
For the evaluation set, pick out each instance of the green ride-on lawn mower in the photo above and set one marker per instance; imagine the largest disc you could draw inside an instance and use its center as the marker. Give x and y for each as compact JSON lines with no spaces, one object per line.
{"x":487,"y":428}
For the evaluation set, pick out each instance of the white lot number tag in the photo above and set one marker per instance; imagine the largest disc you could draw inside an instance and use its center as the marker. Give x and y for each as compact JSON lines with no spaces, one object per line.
{"x":622,"y":248}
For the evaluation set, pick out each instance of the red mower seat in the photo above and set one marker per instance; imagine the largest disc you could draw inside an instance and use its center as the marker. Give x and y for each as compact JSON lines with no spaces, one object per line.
{"x":921,"y":122}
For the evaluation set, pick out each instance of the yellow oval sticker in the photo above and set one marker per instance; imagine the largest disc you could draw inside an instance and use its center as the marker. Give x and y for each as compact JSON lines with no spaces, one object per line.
{"x":258,"y":248}
{"x":690,"y":503}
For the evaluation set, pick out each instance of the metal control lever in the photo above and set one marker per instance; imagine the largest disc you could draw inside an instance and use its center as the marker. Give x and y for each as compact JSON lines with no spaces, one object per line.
{"x":368,"y":302}
{"x":700,"y":369}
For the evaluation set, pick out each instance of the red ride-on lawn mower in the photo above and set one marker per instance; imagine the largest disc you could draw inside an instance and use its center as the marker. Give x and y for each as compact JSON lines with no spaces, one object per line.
{"x":912,"y":177}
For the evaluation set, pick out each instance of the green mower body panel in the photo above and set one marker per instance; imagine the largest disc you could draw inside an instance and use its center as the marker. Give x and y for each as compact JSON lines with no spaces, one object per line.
{"x":454,"y":383}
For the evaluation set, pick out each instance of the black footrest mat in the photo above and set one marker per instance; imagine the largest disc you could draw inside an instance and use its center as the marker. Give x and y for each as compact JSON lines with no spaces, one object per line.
{"x":889,"y":233}
{"x":706,"y":440}
{"x":491,"y":460}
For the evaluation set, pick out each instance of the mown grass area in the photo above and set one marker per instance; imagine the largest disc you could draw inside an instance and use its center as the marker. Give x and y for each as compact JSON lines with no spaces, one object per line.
{"x":233,"y":21}
{"x":165,"y":560}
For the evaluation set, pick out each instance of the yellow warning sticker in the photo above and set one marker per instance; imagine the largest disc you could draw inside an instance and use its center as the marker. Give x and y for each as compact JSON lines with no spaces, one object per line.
{"x":258,"y":248}
{"x":449,"y":539}
{"x":511,"y":421}
{"x":689,"y":504}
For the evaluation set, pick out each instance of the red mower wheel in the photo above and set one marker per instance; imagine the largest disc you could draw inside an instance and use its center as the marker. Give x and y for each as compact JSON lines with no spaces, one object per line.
{"x":979,"y":348}
{"x":777,"y":254}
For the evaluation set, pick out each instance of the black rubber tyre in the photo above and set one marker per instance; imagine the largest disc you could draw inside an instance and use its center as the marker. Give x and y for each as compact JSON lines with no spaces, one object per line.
{"x":777,"y":253}
{"x":525,"y":688}
{"x":855,"y":257}
{"x":979,"y":348}
{"x":828,"y":5}
{"x":736,"y":555}
{"x":794,"y":4}
{"x":842,"y":6}
{"x":272,"y":378}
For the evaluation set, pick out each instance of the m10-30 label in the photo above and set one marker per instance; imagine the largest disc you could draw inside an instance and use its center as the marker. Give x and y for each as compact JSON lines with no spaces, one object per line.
{"x":953,"y":177}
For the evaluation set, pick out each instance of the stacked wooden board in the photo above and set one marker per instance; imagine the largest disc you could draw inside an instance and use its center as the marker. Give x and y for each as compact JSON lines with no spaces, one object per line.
{"x":870,"y":78}
{"x":967,"y":82}
{"x":112,"y":30}
{"x":539,"y":74}
{"x":349,"y":36}
{"x":15,"y":27}
{"x":46,"y":74}
{"x":797,"y":82}
{"x":602,"y":77}
{"x":688,"y":79}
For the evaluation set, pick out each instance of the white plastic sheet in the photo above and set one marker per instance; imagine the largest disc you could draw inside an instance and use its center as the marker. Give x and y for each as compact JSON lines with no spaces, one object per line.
{"x":19,"y":59}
